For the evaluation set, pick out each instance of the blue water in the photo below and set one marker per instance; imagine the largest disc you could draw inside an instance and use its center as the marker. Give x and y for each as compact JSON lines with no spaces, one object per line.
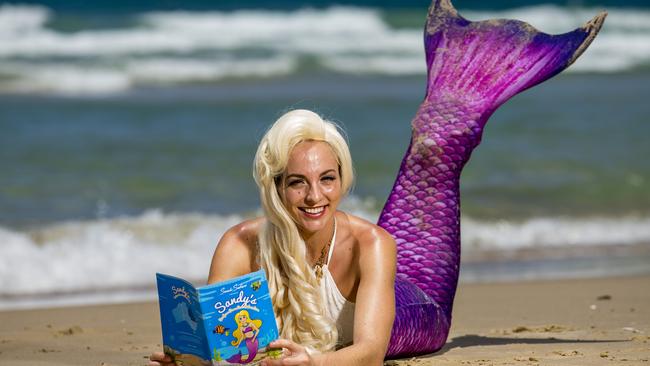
{"x":563,"y":148}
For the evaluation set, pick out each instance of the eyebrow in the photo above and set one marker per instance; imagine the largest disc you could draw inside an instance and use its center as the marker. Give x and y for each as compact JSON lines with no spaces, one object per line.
{"x":295,"y":175}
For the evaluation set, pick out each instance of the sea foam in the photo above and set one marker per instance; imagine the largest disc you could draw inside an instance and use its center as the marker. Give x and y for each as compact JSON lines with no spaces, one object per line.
{"x":213,"y":45}
{"x":124,"y":253}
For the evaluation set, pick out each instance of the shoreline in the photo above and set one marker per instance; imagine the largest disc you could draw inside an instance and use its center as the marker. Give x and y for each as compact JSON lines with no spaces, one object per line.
{"x":491,"y":266}
{"x":559,"y":322}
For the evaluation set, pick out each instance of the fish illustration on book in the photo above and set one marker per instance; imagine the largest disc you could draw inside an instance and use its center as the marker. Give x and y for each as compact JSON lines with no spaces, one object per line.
{"x":220,"y":329}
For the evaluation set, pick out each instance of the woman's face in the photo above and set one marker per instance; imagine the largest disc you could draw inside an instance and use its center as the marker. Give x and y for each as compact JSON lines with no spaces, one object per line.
{"x":311,"y":186}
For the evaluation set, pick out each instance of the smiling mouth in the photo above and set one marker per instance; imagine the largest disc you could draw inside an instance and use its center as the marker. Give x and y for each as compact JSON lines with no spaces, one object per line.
{"x":313,"y":211}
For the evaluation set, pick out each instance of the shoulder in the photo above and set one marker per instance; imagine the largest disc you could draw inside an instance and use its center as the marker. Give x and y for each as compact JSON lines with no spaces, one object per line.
{"x":243,"y":234}
{"x":236,"y":252}
{"x":370,"y":237}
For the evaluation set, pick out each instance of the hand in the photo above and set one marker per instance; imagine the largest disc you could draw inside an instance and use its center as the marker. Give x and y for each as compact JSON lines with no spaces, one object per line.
{"x":160,"y":359}
{"x":294,"y":355}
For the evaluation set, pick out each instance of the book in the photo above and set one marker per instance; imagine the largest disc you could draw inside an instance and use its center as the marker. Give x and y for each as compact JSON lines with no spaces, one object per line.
{"x":226,"y":323}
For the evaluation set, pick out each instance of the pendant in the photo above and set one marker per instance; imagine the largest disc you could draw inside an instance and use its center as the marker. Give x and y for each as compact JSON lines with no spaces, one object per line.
{"x":318,"y":271}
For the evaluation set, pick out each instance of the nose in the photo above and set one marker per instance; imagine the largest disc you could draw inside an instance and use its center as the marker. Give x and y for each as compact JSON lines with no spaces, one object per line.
{"x":314,"y":195}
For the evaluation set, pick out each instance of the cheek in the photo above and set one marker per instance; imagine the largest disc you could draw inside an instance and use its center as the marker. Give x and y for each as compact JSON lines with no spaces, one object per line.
{"x":292,"y":196}
{"x":333,"y":191}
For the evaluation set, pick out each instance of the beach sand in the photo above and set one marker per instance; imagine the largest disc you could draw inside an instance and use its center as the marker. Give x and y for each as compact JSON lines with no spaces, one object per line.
{"x":565,"y":322}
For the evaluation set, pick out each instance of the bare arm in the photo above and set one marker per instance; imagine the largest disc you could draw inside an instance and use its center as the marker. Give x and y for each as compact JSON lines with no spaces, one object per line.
{"x":257,"y":331}
{"x":235,"y":253}
{"x":374,"y":310}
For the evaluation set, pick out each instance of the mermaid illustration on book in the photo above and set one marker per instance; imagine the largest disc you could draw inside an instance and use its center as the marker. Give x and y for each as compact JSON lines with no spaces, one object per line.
{"x":248,"y":330}
{"x":331,"y":273}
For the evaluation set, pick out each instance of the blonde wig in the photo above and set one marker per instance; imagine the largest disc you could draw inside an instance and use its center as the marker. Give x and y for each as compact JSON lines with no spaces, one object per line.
{"x":294,"y":288}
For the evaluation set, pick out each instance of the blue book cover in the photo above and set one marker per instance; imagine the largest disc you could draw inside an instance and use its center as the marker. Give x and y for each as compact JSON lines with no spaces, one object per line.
{"x":226,"y":323}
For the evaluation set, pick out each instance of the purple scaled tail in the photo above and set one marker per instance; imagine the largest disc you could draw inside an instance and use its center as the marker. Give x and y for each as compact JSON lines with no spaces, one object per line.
{"x":473,"y":67}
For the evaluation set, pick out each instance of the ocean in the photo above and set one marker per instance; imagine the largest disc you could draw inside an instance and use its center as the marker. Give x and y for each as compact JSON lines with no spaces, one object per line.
{"x":127,"y":134}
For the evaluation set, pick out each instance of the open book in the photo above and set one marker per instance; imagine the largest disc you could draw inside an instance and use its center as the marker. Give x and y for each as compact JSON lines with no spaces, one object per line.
{"x":226,"y":323}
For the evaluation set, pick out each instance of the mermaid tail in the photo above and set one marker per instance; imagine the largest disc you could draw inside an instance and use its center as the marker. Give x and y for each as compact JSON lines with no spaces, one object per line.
{"x":252,"y":347}
{"x":473,"y":68}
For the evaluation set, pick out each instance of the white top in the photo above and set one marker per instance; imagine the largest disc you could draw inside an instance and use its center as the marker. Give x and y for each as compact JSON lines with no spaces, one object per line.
{"x":336,"y":305}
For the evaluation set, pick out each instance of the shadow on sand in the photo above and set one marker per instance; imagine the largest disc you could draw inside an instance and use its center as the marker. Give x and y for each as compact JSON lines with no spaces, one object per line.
{"x":471,"y":340}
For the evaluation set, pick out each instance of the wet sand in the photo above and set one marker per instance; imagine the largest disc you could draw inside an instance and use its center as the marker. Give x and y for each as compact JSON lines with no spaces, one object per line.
{"x":565,"y":322}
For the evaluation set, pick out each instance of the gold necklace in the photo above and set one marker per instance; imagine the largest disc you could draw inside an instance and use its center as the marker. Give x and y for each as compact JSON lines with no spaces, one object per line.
{"x":318,"y":266}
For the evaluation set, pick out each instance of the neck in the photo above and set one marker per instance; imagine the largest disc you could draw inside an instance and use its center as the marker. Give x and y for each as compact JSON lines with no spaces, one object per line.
{"x":317,"y":241}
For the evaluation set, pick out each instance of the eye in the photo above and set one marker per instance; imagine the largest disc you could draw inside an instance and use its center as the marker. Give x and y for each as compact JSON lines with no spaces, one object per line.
{"x":295,"y":182}
{"x":329,"y":178}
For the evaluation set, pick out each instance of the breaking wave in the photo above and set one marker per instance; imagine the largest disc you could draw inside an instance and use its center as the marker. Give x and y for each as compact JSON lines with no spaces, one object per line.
{"x":175,"y":47}
{"x":125,"y":253}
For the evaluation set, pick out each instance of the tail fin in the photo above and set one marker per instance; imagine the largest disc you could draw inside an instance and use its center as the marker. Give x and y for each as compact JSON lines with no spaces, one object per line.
{"x":491,"y":61}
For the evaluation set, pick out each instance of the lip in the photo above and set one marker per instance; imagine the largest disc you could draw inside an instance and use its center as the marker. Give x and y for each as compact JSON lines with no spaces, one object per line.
{"x":311,"y":215}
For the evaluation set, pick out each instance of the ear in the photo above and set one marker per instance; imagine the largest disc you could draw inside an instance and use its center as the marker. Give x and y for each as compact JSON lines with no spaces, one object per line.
{"x":278,"y":180}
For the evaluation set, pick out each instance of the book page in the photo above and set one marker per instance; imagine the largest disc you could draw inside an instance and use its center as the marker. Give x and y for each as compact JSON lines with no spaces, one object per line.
{"x":182,"y":326}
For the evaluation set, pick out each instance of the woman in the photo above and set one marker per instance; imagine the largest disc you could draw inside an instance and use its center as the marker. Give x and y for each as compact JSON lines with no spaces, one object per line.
{"x":302,"y":178}
{"x":331,"y":274}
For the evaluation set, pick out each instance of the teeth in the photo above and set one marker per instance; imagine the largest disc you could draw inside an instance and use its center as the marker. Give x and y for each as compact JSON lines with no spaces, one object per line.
{"x":315,"y":210}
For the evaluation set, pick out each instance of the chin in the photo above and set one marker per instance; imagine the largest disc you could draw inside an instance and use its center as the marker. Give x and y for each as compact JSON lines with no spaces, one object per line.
{"x":311,"y":224}
{"x":311,"y":227}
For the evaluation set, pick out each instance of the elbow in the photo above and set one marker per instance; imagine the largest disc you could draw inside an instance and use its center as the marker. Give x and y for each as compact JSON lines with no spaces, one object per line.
{"x":379,"y":361}
{"x":374,"y":355}
{"x":375,"y":360}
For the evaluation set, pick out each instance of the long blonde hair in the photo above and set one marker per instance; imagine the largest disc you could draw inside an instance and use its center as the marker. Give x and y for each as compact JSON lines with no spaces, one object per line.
{"x":294,"y":289}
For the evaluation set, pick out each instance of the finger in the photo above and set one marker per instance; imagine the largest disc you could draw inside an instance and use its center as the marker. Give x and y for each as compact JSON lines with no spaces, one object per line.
{"x":269,"y":362}
{"x":285,"y":343}
{"x":160,"y":356}
{"x":272,"y":362}
{"x":160,"y":359}
{"x":287,"y":361}
{"x":294,"y":361}
{"x":165,"y":363}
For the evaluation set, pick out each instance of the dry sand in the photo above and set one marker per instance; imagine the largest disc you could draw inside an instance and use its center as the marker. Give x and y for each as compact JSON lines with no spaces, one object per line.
{"x":564,"y":322}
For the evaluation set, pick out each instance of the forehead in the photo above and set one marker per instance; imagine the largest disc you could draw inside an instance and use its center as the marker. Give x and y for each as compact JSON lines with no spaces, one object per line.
{"x":311,"y":157}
